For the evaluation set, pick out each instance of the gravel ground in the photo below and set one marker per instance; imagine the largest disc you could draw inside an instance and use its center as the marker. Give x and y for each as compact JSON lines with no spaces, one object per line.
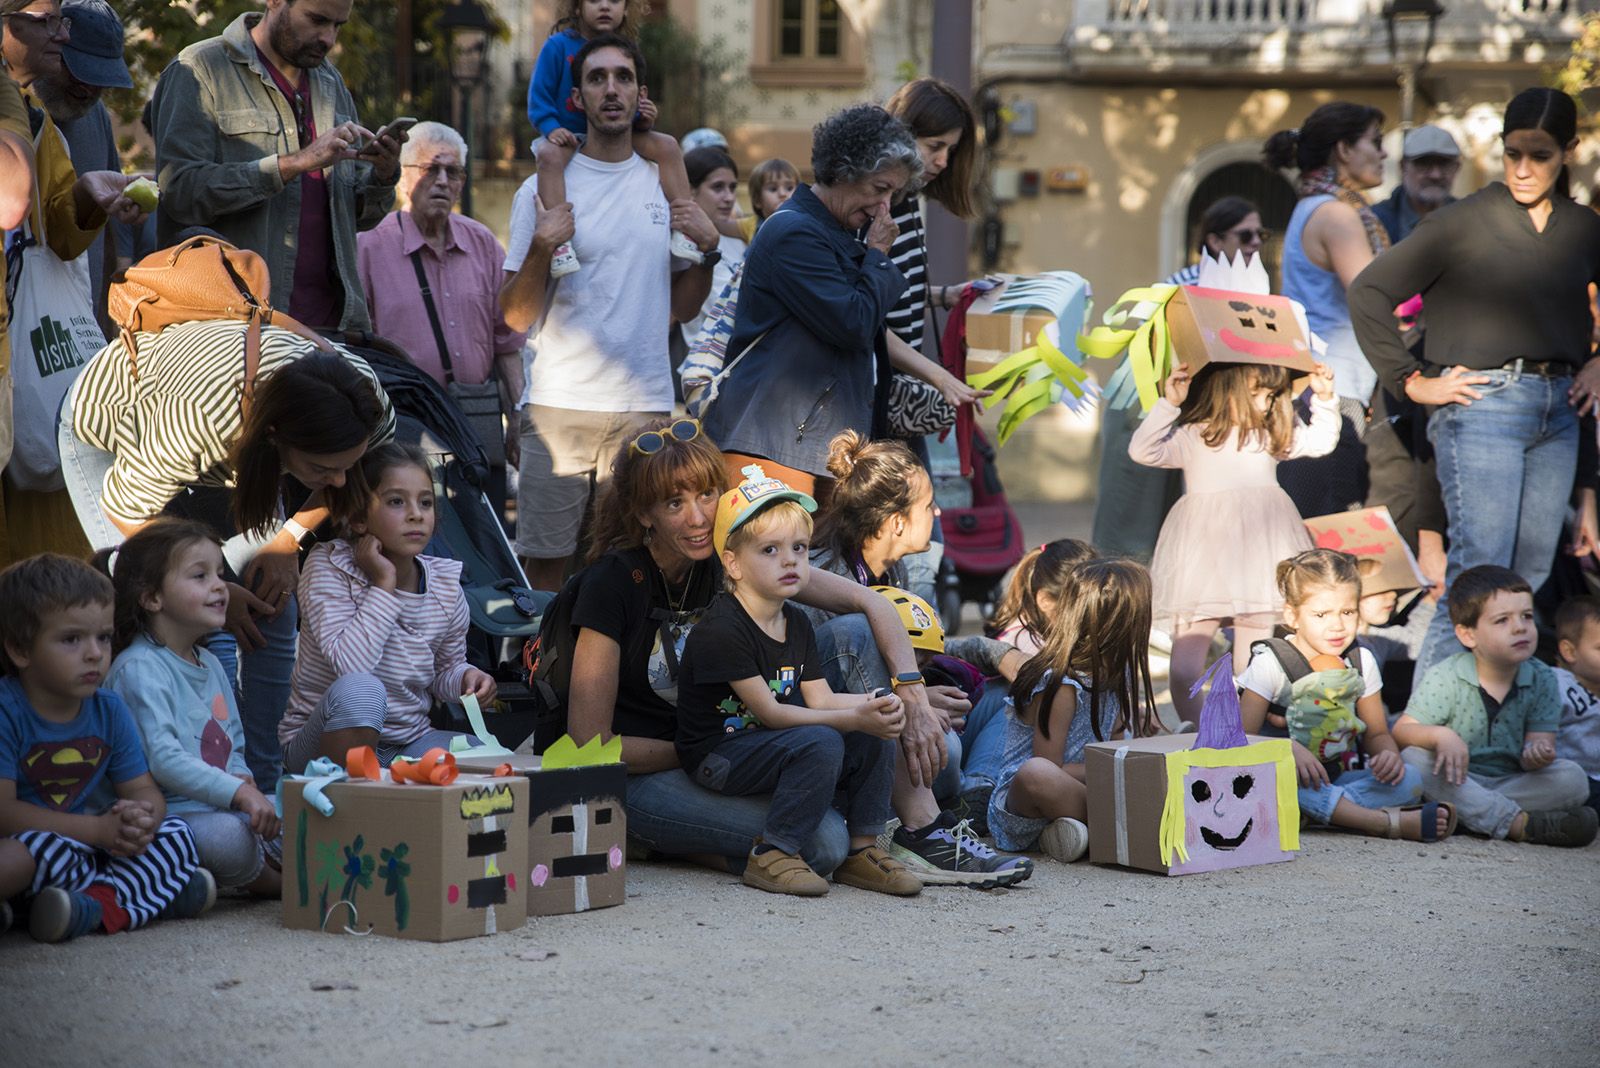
{"x":1364,"y":951}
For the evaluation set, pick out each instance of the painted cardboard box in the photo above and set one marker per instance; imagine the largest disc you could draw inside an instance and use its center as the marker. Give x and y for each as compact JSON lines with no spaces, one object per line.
{"x":1370,"y":534}
{"x":1010,"y":317}
{"x":432,"y":863}
{"x":577,"y":832}
{"x":1224,"y":326}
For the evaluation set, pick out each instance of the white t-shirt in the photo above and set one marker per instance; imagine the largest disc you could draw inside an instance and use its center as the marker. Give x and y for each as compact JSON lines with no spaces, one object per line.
{"x":1265,"y":676}
{"x":732,"y":250}
{"x":601,"y":344}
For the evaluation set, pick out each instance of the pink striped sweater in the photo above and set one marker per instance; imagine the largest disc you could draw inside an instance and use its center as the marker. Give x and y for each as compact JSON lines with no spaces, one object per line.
{"x":416,"y":643}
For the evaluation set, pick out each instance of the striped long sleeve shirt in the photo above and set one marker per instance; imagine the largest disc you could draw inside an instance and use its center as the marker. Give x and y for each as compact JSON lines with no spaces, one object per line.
{"x":415,"y":643}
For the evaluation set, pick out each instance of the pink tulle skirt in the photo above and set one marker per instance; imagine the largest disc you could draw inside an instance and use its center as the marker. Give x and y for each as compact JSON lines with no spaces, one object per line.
{"x":1218,"y":554}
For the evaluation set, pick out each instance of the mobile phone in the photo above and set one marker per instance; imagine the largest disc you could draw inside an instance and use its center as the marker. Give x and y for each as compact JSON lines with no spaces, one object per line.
{"x":882,"y":691}
{"x":398,"y":126}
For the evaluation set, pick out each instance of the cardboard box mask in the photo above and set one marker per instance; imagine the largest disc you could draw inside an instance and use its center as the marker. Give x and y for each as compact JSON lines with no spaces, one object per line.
{"x":1010,"y":317}
{"x":433,"y":863}
{"x":1181,"y":804}
{"x":1221,"y":326}
{"x":1370,"y":534}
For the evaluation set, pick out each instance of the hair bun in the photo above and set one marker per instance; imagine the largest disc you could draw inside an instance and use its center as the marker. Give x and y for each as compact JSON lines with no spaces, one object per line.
{"x":844,"y":453}
{"x":1282,"y":149}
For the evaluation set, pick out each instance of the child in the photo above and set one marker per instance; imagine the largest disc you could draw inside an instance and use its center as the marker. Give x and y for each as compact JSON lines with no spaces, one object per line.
{"x":755,"y":714}
{"x":1227,"y":429}
{"x":562,"y":126}
{"x":383,"y":628}
{"x":1023,"y":615}
{"x":84,"y":859}
{"x":1329,"y":688}
{"x":170,"y":595}
{"x":1481,"y":726}
{"x":1578,"y":679}
{"x":1089,"y":682}
{"x":771,"y":183}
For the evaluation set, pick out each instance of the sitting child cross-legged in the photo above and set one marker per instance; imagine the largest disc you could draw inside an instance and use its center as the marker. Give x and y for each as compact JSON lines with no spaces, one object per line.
{"x":85,"y":838}
{"x":1323,"y":688}
{"x":1090,"y":682}
{"x":1481,"y":726}
{"x":755,"y":714}
{"x":170,"y":595}
{"x":1578,"y":679}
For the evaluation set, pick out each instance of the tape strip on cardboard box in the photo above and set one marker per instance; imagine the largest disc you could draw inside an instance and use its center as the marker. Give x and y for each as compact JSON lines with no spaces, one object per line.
{"x":1119,"y":780}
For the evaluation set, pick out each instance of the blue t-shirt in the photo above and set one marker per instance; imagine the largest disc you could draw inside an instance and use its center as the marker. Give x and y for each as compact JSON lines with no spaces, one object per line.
{"x":70,"y":767}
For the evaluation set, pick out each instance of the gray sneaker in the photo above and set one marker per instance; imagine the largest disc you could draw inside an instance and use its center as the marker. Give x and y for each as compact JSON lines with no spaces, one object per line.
{"x":950,"y":854}
{"x":1571,"y":828}
{"x":1065,"y":839}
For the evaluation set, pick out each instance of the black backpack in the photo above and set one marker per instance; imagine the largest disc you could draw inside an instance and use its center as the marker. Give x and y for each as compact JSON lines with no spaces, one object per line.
{"x":1296,"y":667}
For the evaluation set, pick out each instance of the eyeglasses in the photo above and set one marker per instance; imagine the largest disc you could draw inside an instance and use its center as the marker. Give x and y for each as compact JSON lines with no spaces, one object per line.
{"x":653,"y":441}
{"x":53,"y":24}
{"x":1247,"y":236}
{"x":450,"y":172}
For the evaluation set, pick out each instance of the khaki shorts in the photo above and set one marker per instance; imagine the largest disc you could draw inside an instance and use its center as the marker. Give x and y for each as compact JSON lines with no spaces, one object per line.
{"x":565,"y":455}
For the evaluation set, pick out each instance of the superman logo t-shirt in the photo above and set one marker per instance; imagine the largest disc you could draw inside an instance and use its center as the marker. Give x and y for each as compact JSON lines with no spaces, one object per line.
{"x":70,"y":767}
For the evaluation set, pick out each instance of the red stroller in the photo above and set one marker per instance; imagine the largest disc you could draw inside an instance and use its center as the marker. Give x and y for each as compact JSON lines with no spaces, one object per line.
{"x":981,"y":542}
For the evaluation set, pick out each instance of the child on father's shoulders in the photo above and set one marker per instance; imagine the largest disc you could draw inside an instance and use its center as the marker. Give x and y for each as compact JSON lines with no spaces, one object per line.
{"x":87,"y":844}
{"x":1481,"y":726}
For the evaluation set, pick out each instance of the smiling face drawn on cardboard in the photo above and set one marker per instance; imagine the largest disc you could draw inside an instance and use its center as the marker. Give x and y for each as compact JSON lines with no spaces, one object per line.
{"x":1230,"y":817}
{"x":1243,"y":328}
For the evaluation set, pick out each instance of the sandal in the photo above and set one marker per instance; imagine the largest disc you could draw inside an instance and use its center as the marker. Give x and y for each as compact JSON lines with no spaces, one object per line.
{"x":1428,"y":822}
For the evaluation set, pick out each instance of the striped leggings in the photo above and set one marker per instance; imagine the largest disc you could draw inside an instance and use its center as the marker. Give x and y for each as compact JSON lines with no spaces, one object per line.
{"x":144,"y":885}
{"x":357,"y":700}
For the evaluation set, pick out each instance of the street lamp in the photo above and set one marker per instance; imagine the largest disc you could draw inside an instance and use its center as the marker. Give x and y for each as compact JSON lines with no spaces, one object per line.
{"x":1411,"y":25}
{"x":469,"y":29}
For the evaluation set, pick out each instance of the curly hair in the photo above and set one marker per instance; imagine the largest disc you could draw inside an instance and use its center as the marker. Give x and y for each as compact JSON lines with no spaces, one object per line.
{"x":860,"y":140}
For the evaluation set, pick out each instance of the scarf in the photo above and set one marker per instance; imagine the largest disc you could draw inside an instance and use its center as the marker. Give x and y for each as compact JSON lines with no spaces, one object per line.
{"x":1323,"y":180}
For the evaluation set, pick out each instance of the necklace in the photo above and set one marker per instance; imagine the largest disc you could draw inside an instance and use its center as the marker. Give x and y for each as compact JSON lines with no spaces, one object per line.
{"x":683,"y":591}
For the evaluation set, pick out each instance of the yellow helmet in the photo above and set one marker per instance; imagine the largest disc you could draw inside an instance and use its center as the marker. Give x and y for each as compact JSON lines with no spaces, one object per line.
{"x":918,"y":617}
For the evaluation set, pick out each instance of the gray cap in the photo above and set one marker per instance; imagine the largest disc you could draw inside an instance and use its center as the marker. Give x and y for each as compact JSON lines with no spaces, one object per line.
{"x":1429,"y":141}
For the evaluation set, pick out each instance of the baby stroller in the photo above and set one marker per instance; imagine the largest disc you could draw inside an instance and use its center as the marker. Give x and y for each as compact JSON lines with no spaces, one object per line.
{"x":504,"y":612}
{"x":982,"y":539}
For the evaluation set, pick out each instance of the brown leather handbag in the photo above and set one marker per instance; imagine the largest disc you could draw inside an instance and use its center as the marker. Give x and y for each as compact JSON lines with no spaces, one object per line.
{"x":201,"y":278}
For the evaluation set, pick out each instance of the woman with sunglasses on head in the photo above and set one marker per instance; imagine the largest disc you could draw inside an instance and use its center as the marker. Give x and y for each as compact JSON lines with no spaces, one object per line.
{"x":1333,"y":234}
{"x":1507,"y":370}
{"x":652,"y":572}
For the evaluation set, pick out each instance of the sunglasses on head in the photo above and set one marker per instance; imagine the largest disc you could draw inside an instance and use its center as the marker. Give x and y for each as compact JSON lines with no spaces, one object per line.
{"x":653,"y":441}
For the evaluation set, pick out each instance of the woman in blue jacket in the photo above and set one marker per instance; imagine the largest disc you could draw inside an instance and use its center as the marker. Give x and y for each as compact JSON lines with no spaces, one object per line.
{"x":812,"y":305}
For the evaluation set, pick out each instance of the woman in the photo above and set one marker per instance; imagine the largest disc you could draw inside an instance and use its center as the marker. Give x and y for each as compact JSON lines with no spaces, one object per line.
{"x":1133,"y":500}
{"x":714,"y":178}
{"x":1333,"y":234}
{"x":175,"y":437}
{"x":652,"y":573}
{"x":1504,"y":275}
{"x":808,"y":335}
{"x":881,"y":512}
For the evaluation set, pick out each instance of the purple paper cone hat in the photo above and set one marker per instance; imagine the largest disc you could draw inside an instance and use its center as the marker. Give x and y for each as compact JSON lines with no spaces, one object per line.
{"x":1221,"y":726}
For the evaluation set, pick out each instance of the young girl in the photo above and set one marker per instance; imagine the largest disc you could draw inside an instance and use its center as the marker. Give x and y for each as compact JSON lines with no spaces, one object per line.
{"x":1023,"y":615}
{"x":1090,"y":682}
{"x":170,"y":595}
{"x":562,"y":126}
{"x":771,"y":183}
{"x":1329,"y":690}
{"x":383,"y":628}
{"x":1227,"y":428}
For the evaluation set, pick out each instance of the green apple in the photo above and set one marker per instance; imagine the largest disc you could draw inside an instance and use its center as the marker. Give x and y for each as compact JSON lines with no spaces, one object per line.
{"x":143,"y":192}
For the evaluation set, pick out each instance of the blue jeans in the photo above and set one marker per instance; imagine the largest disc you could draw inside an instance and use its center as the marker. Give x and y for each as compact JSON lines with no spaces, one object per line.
{"x":1359,"y":788}
{"x":803,"y":768}
{"x":262,"y":677}
{"x":983,"y":740}
{"x":1505,"y":467}
{"x":669,"y":813}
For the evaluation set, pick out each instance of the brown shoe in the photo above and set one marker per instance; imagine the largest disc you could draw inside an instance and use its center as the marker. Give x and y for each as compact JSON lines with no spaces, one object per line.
{"x":778,"y":872}
{"x":873,"y":869}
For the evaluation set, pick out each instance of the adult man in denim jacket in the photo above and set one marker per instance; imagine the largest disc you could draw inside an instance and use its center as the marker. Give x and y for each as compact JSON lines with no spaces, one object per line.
{"x":257,"y":139}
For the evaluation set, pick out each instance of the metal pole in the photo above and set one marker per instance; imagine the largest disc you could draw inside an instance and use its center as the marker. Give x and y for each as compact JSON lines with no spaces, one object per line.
{"x":951,"y":63}
{"x":466,"y":134}
{"x":1408,"y":94}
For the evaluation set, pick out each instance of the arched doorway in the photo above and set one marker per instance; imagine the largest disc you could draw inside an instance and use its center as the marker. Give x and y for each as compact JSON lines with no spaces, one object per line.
{"x":1267,"y":189}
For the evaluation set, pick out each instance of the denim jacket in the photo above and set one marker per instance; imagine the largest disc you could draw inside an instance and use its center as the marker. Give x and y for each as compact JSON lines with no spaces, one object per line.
{"x":220,"y":126}
{"x":816,"y":297}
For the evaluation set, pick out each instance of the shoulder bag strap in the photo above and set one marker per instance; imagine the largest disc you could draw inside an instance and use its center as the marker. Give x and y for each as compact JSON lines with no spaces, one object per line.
{"x":433,"y":316}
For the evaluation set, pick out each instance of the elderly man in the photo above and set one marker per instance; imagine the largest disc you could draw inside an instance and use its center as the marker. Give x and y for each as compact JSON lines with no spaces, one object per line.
{"x":257,"y":139}
{"x":452,"y":329}
{"x":1430,"y":160}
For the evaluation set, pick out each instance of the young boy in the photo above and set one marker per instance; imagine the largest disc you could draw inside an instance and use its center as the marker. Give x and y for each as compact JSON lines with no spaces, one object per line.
{"x":1578,"y":679}
{"x":1481,"y":725}
{"x":756,"y":716}
{"x":84,"y":860}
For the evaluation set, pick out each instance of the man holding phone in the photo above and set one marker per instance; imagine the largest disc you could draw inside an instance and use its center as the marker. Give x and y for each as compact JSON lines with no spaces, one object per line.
{"x":257,"y":137}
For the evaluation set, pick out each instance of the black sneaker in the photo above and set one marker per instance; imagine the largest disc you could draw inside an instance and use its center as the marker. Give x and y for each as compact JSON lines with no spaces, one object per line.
{"x":972,"y":805}
{"x":950,"y":854}
{"x":1572,"y":828}
{"x":196,"y":897}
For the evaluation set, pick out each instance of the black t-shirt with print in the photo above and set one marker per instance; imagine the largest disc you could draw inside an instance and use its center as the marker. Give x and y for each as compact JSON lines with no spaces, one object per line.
{"x":624,"y":597}
{"x":726,"y":646}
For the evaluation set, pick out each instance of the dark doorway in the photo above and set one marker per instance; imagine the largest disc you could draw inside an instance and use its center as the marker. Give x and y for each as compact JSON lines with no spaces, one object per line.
{"x":1267,"y":189}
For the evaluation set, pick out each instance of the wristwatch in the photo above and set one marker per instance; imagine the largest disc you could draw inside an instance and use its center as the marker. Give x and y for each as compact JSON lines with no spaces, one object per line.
{"x":297,"y":531}
{"x":906,"y":678}
{"x":712,"y":258}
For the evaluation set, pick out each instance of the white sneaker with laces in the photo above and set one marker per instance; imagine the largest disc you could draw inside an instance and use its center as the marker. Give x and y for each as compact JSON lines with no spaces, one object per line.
{"x":563,"y":261}
{"x":684,"y":248}
{"x":1065,"y":839}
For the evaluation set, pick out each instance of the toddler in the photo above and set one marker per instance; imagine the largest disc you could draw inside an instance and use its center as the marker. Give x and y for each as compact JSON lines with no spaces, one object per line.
{"x":1578,"y":679}
{"x":771,"y":183}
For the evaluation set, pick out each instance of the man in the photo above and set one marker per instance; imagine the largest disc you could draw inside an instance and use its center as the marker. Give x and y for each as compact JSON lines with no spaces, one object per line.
{"x":16,"y":197}
{"x":461,"y":260}
{"x":602,"y":368}
{"x":1429,"y":162}
{"x":91,"y":63}
{"x":257,"y":139}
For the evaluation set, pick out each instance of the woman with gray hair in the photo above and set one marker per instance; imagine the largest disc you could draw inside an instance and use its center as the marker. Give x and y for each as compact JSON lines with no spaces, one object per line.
{"x":807,"y":357}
